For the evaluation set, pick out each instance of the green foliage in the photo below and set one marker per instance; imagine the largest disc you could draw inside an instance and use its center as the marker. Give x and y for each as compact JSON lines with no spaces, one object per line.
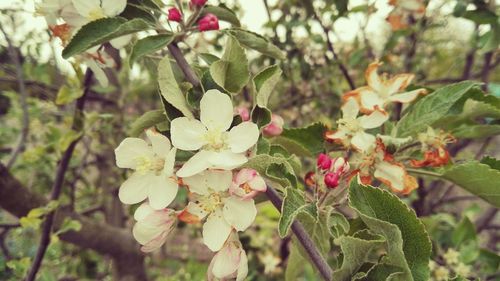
{"x":431,"y":108}
{"x":149,"y":45}
{"x":293,"y":204}
{"x":169,"y":88}
{"x":307,"y":141}
{"x":264,"y":82}
{"x":69,"y":225}
{"x":231,"y":71}
{"x":261,"y":116}
{"x":463,"y":232}
{"x":477,"y":178}
{"x":147,"y":120}
{"x":101,"y":31}
{"x":408,"y":245}
{"x":257,"y":42}
{"x":276,"y":168}
{"x":223,"y":13}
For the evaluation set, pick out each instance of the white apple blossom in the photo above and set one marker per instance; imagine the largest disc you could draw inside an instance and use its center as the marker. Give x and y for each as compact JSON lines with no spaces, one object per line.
{"x":351,"y":129}
{"x":154,"y":170}
{"x":153,"y":226}
{"x":381,"y":91}
{"x":247,"y":184}
{"x":222,"y":211}
{"x":230,"y":262}
{"x":218,"y":148}
{"x":96,"y":9}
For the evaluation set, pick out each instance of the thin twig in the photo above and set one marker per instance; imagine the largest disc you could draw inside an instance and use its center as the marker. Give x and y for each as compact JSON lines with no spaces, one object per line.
{"x":183,"y":64}
{"x":329,"y":43}
{"x":59,"y":180}
{"x":324,"y":269}
{"x":15,"y":57}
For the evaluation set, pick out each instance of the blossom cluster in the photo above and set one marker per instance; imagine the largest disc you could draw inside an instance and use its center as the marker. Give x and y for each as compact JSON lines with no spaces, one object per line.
{"x":221,"y":193}
{"x":365,"y":110}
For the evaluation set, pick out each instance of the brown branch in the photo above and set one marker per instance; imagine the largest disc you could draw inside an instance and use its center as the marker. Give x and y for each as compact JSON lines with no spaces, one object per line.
{"x":16,"y":59}
{"x":59,"y":180}
{"x":117,"y":243}
{"x":329,"y":44}
{"x":484,"y":221}
{"x":319,"y":262}
{"x":183,"y":64}
{"x":485,"y":73}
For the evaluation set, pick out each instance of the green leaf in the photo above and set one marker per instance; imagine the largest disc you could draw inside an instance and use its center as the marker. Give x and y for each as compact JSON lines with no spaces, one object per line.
{"x":463,"y":232}
{"x":169,"y":88}
{"x":101,"y":31}
{"x":338,"y":224}
{"x":231,"y":71}
{"x":492,"y":162}
{"x":257,"y":42}
{"x":380,"y":271}
{"x":265,"y":81}
{"x":208,"y":58}
{"x":482,"y":16}
{"x":275,"y":168}
{"x":356,"y":252}
{"x":69,"y":225}
{"x":477,"y":178}
{"x":295,"y":264}
{"x":223,"y":13}
{"x":261,"y":116}
{"x":293,"y":203}
{"x":149,"y":45}
{"x":408,"y":244}
{"x":476,"y":131}
{"x":67,"y":94}
{"x":307,"y":141}
{"x":431,"y":108}
{"x":147,"y":120}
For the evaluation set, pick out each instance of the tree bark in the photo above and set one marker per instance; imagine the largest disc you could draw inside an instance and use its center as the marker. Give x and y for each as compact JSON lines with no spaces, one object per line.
{"x":106,"y":240}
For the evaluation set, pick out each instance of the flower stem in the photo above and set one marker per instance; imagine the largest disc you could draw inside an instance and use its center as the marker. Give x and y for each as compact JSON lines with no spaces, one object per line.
{"x":319,"y":262}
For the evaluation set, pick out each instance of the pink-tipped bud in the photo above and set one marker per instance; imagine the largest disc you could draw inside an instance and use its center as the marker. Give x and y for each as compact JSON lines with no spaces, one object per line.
{"x":197,"y":3}
{"x":174,"y":15}
{"x":332,"y":180}
{"x":243,"y":112}
{"x":340,"y":165}
{"x":247,"y":184}
{"x":275,"y":128}
{"x":208,"y":22}
{"x":309,"y":179}
{"x":324,"y":162}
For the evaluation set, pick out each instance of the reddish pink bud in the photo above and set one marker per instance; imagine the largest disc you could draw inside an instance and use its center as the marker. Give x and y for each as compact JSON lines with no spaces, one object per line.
{"x":174,"y":15}
{"x":198,"y":3}
{"x":208,"y":22}
{"x":243,"y":112}
{"x":309,"y":179}
{"x":324,"y":162}
{"x":332,"y":180}
{"x":275,"y":128}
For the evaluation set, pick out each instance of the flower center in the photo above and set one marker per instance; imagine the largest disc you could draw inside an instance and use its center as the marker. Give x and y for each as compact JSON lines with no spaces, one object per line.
{"x":211,"y":202}
{"x":150,"y":164}
{"x":216,"y":140}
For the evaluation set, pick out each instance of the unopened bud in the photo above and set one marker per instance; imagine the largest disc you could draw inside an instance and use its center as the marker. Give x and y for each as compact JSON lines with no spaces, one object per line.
{"x":331,"y":180}
{"x":323,"y":161}
{"x":275,"y":128}
{"x":174,"y":15}
{"x":208,"y":22}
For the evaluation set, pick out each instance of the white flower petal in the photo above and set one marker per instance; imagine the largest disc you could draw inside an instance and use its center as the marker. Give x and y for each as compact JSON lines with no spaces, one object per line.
{"x":143,"y":211}
{"x":197,"y":210}
{"x":216,"y":110}
{"x":215,"y":180}
{"x":226,"y":261}
{"x":350,"y":109}
{"x":129,"y":150}
{"x":87,"y":7}
{"x":374,"y":120}
{"x":395,"y":177}
{"x":363,"y":141}
{"x":242,"y":267}
{"x":168,"y":168}
{"x":226,"y":160}
{"x":99,"y":74}
{"x":160,"y":143}
{"x":120,"y":42}
{"x":162,"y":192}
{"x":196,"y":164}
{"x":144,"y":233}
{"x":399,"y":82}
{"x":187,"y":134}
{"x":407,"y":97}
{"x":155,"y":243}
{"x":239,"y":213}
{"x":113,"y":8}
{"x":372,"y":77}
{"x":135,"y":188}
{"x":370,"y":100}
{"x":243,"y":136}
{"x":215,"y":231}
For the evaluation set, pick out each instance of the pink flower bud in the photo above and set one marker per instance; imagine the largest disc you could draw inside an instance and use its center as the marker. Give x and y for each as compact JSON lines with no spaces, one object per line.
{"x":198,"y":3}
{"x":208,"y":22}
{"x":247,"y":184}
{"x":243,"y":112}
{"x":275,"y":128}
{"x":332,"y":180}
{"x":324,"y":162}
{"x":174,"y":15}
